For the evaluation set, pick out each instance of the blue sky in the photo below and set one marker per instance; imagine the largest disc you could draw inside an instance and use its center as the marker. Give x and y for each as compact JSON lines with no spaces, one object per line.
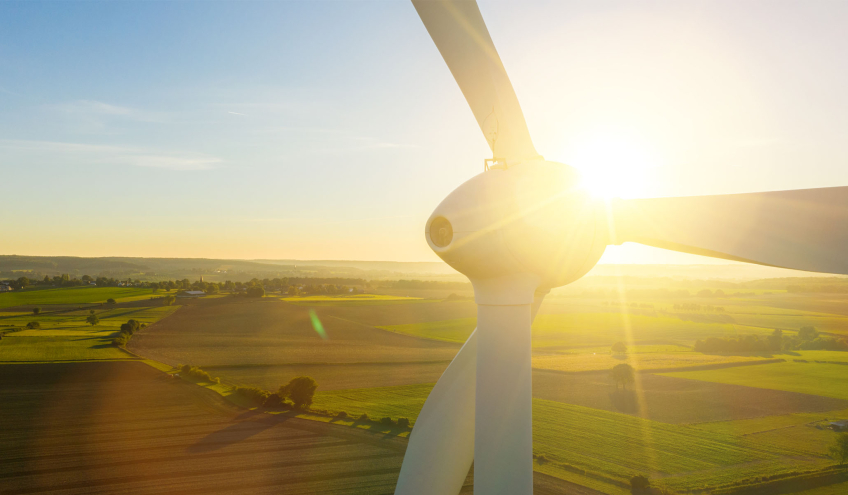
{"x":331,"y":129}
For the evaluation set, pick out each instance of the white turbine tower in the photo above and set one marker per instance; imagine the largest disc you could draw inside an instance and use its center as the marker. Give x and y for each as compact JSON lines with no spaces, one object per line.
{"x":522,"y":227}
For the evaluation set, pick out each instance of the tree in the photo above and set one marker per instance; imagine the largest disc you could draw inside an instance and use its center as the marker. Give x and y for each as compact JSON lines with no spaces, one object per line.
{"x":776,"y":340}
{"x":619,"y":348}
{"x":273,"y":401}
{"x":293,"y":290}
{"x":299,"y":390}
{"x":36,"y":311}
{"x":92,"y":319}
{"x":169,"y":299}
{"x":255,"y":291}
{"x":639,"y":484}
{"x":33,"y":325}
{"x":839,"y":450}
{"x":110,"y":301}
{"x":130,"y":327}
{"x":808,"y":333}
{"x":622,"y":373}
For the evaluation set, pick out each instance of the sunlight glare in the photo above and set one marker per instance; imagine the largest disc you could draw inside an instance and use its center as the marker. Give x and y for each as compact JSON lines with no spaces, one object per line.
{"x":614,"y":164}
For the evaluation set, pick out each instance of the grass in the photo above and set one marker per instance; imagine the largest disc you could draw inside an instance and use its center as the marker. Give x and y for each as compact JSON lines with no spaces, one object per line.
{"x":609,"y":447}
{"x":67,"y":337}
{"x":403,"y":401}
{"x":828,"y":380}
{"x":72,"y":295}
{"x":48,"y":349}
{"x":586,"y":329}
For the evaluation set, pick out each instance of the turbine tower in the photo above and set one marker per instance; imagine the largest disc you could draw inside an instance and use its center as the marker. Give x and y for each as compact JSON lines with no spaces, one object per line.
{"x":524,"y":226}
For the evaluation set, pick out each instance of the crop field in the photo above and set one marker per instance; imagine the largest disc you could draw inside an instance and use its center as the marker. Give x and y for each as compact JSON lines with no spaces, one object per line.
{"x":71,"y":295}
{"x":125,"y":427}
{"x":267,"y":341}
{"x":828,"y":380}
{"x":65,"y":335}
{"x":658,"y":398}
{"x":333,"y":376}
{"x":583,"y":361}
{"x":352,"y":300}
{"x":399,"y":314}
{"x":702,"y":420}
{"x":587,"y":329}
{"x":837,"y":489}
{"x":616,"y":445}
{"x":609,"y":445}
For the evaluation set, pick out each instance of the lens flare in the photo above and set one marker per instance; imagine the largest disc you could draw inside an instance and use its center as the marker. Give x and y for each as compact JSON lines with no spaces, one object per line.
{"x":316,"y":324}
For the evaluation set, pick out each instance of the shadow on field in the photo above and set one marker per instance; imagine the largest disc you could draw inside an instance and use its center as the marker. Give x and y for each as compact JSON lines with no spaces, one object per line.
{"x":248,"y":424}
{"x":624,"y":401}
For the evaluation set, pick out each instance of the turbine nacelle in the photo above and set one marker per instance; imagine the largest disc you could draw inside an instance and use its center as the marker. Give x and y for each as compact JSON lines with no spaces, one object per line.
{"x":526,"y":226}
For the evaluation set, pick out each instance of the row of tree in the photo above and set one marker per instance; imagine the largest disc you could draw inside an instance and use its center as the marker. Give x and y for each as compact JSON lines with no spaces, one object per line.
{"x":807,"y":338}
{"x":127,"y":331}
{"x":299,"y":390}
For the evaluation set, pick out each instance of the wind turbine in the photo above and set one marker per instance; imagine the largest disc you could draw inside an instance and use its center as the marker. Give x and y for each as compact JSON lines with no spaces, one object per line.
{"x":524,"y":226}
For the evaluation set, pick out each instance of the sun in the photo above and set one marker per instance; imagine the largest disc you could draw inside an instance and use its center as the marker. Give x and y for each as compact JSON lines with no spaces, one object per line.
{"x":613,"y":164}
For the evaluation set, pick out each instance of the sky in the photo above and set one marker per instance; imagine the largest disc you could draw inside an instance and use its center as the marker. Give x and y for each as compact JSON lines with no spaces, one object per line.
{"x":331,"y":130}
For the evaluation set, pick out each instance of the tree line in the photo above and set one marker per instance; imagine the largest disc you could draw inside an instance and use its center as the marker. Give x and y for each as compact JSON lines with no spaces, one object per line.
{"x":807,"y":338}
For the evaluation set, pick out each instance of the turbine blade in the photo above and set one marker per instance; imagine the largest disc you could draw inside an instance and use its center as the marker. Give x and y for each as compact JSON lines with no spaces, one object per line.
{"x":441,"y":445}
{"x":503,"y":427}
{"x":460,"y":34}
{"x":440,"y":453}
{"x":805,"y":229}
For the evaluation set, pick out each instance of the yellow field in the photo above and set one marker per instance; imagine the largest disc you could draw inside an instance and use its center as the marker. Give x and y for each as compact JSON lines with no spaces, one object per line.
{"x":640,"y":361}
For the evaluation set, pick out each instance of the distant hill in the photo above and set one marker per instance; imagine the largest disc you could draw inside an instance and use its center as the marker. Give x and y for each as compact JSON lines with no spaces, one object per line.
{"x":13,"y":266}
{"x":148,"y":269}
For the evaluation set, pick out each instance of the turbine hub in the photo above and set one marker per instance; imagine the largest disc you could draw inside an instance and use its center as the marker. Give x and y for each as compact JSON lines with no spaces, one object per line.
{"x":528,"y":226}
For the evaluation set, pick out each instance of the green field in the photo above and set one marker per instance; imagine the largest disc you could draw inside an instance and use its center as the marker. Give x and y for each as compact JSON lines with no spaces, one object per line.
{"x":402,"y":401}
{"x":72,"y":295}
{"x":613,"y":446}
{"x":829,"y":380}
{"x":65,"y":336}
{"x":587,"y":329}
{"x":380,"y":354}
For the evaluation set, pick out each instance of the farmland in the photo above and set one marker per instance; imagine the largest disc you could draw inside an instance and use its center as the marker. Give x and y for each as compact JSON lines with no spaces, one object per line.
{"x":111,"y":427}
{"x":241,"y":331}
{"x":72,"y":295}
{"x":554,"y":331}
{"x":351,"y":300}
{"x":123,"y":426}
{"x":64,"y":335}
{"x":613,"y":447}
{"x":828,"y":380}
{"x":690,"y":420}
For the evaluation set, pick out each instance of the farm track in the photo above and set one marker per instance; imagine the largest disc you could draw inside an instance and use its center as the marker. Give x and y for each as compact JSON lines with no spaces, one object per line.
{"x":126,"y":428}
